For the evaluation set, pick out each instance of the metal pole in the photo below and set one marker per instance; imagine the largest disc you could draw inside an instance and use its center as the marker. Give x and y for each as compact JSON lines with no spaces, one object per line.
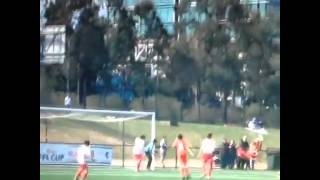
{"x":46,"y":125}
{"x":68,"y":76}
{"x":157,"y":85}
{"x":123,"y":144}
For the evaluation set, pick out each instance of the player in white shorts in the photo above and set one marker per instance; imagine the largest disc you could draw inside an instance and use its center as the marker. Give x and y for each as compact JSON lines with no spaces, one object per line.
{"x":138,"y":151}
{"x":84,"y":153}
{"x":207,"y":150}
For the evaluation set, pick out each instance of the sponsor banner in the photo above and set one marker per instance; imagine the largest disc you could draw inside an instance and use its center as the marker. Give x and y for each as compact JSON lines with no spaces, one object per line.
{"x":67,"y":154}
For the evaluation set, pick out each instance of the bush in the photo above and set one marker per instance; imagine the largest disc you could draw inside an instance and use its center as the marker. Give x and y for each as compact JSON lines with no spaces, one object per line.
{"x":114,"y":102}
{"x":169,"y":109}
{"x":271,"y":117}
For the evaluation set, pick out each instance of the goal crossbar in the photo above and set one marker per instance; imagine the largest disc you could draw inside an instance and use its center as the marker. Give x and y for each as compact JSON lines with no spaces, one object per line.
{"x":134,"y":115}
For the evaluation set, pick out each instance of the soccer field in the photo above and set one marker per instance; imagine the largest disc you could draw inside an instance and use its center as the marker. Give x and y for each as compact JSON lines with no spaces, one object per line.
{"x":102,"y":173}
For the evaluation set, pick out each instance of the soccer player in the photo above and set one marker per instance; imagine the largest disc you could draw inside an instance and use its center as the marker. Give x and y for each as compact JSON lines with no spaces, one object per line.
{"x":207,"y":150}
{"x":232,"y":154}
{"x":182,"y":150}
{"x":150,"y":151}
{"x":254,"y":148}
{"x":138,"y":151}
{"x":243,"y":154}
{"x":83,"y":154}
{"x":163,"y":150}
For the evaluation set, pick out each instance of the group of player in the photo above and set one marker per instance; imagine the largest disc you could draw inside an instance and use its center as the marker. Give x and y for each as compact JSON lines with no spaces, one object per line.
{"x":182,"y":148}
{"x":140,"y":151}
{"x":247,"y":153}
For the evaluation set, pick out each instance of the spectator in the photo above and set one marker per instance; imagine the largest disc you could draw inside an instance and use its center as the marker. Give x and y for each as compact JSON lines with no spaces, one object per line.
{"x":259,"y":123}
{"x":232,"y":154}
{"x":225,"y":154}
{"x":242,"y":153}
{"x":244,"y":143}
{"x":67,"y":101}
{"x":255,"y":147}
{"x":251,"y":123}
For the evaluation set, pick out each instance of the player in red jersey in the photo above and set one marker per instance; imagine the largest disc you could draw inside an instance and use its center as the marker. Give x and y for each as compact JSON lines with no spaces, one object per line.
{"x":254,"y":149}
{"x":182,"y":150}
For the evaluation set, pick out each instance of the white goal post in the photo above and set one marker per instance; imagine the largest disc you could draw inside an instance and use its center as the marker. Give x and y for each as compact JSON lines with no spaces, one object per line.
{"x":131,"y":115}
{"x":57,"y":124}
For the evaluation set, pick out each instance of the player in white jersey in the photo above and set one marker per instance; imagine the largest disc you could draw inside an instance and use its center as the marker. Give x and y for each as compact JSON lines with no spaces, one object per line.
{"x":84,"y":153}
{"x":163,"y":150}
{"x":207,"y":150}
{"x":138,"y":151}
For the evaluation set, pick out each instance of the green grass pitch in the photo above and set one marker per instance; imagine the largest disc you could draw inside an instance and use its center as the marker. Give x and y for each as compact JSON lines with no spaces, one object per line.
{"x":103,"y":173}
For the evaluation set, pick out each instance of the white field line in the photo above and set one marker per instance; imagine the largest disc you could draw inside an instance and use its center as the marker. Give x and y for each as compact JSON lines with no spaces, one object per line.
{"x":160,"y":176}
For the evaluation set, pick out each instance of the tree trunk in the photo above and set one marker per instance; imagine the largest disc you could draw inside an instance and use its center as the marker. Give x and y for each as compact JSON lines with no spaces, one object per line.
{"x":199,"y":112}
{"x":181,"y":112}
{"x":225,"y":109}
{"x":143,"y":91}
{"x":233,"y":98}
{"x":142,"y":101}
{"x":173,"y":120}
{"x":82,"y":88}
{"x":156,"y":95}
{"x":260,"y":108}
{"x":244,"y":113}
{"x":198,"y":99}
{"x":84,"y":93}
{"x":78,"y":83}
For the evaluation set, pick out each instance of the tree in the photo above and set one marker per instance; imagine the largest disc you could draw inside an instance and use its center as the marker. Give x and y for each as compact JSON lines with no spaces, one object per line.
{"x":88,"y":50}
{"x":154,"y":30}
{"x":60,"y":13}
{"x":122,"y":39}
{"x":215,"y":56}
{"x":183,"y":72}
{"x":260,"y":73}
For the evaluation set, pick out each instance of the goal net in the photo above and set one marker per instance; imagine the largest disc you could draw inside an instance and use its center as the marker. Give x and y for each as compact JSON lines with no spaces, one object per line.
{"x":111,"y":133}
